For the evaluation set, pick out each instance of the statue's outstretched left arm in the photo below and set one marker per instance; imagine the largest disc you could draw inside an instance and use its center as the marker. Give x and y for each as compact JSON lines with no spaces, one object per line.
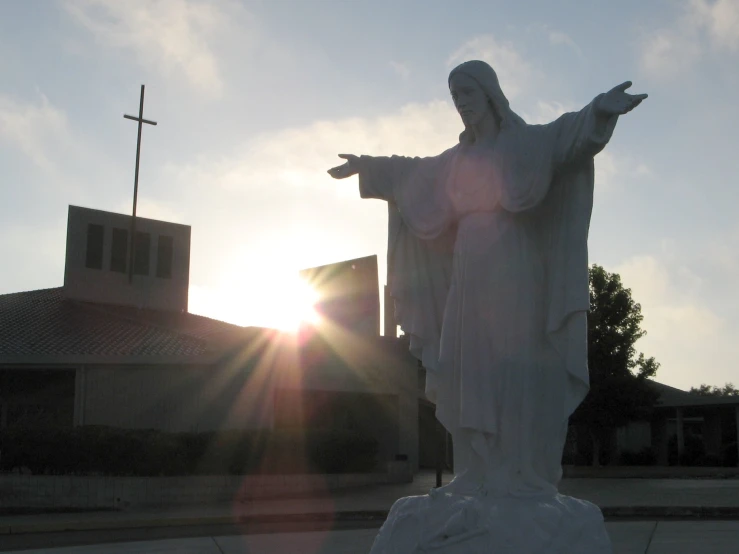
{"x":583,"y":134}
{"x":615,"y":102}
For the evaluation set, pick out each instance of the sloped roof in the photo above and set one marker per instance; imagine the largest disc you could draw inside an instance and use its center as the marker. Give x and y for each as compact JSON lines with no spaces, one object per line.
{"x":670,"y":397}
{"x":44,"y":324}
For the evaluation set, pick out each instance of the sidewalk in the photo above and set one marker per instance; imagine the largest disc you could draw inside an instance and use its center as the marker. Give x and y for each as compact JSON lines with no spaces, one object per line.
{"x":643,"y":498}
{"x":629,"y":537}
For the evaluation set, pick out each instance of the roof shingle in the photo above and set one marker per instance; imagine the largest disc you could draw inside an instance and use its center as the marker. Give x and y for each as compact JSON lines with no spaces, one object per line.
{"x":45,"y":323}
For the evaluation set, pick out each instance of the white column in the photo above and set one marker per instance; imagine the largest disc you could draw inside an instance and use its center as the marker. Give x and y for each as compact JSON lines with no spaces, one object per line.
{"x":79,"y":396}
{"x":660,"y":439}
{"x":680,"y":435}
{"x":712,"y":432}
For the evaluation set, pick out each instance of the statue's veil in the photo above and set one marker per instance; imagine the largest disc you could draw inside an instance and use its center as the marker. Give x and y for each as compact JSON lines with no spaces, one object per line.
{"x":486,"y":77}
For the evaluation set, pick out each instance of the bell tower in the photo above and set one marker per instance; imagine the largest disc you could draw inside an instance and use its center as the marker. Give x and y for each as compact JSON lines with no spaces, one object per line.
{"x":99,"y":266}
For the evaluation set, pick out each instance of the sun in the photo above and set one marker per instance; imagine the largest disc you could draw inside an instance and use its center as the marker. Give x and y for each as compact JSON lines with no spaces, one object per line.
{"x":284,"y":302}
{"x":281,"y":300}
{"x":297,"y":306}
{"x":260,"y":285}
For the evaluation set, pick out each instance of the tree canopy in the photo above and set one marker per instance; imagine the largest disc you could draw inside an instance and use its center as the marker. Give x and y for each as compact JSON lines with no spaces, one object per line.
{"x":706,"y":390}
{"x":619,"y":387}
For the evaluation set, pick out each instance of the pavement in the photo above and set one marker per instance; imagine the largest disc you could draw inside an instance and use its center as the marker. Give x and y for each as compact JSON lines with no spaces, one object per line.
{"x":630,"y":537}
{"x":699,"y":503}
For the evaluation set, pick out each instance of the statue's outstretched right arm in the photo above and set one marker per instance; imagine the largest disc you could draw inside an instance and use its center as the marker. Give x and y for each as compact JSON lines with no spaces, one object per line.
{"x":379,"y":176}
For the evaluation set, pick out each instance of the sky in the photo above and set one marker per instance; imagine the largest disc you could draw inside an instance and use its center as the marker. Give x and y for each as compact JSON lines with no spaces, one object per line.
{"x":254,"y":100}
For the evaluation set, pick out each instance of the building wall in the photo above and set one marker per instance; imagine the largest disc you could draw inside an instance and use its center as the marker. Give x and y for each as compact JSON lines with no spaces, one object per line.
{"x":634,"y":437}
{"x":369,"y":414}
{"x":362,"y":365}
{"x":174,"y":398}
{"x":241,"y":394}
{"x":37,"y":397}
{"x":349,"y":294}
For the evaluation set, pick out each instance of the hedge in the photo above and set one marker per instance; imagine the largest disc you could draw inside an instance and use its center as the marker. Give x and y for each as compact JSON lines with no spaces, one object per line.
{"x":97,"y":450}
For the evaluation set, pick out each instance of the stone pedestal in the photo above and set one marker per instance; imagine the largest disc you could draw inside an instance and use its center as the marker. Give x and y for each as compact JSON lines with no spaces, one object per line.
{"x":455,"y":524}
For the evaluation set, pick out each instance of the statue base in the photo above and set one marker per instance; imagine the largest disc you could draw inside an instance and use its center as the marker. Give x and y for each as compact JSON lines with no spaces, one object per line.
{"x":456,"y":524}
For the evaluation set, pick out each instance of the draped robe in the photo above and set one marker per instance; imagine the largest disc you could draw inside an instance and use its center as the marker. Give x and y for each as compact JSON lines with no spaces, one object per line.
{"x":488,"y":269}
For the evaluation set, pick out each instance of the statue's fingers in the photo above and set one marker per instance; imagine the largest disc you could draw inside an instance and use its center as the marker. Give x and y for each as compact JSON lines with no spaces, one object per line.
{"x":633,"y":104}
{"x":623,"y":86}
{"x":347,"y":157}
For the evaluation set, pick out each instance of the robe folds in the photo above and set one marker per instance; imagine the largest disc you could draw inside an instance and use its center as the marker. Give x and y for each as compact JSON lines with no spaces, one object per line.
{"x":488,"y":269}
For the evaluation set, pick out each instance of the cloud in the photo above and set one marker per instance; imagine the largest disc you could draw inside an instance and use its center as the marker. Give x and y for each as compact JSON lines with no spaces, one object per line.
{"x":669,"y":298}
{"x":52,"y":155}
{"x":514,"y":72}
{"x":151,"y":209}
{"x":34,"y":254}
{"x":401,"y":69}
{"x":520,"y":80}
{"x":614,"y":168}
{"x":723,"y":253}
{"x":605,"y":170}
{"x":299,"y":157}
{"x":669,"y":51}
{"x":534,"y":32}
{"x":559,"y":38}
{"x":547,"y":111}
{"x":165,"y":35}
{"x":683,"y":333}
{"x":720,"y":19}
{"x":268,"y":208}
{"x":37,"y":128}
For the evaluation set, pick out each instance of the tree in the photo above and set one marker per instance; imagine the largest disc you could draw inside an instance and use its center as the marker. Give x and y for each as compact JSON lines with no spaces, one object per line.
{"x":619,"y":387}
{"x":706,"y":390}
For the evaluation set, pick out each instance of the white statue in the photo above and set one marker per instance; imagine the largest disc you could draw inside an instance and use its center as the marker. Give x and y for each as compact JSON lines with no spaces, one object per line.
{"x":488,"y":268}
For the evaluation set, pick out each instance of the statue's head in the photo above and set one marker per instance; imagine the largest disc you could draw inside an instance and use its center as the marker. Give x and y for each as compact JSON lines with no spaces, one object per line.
{"x":477,"y":94}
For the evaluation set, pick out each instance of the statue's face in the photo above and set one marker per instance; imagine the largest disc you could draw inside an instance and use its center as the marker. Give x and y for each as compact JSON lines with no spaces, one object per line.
{"x":469,"y":99}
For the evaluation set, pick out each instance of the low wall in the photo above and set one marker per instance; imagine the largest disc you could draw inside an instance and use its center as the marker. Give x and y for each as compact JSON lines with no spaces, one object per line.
{"x":52,"y":491}
{"x":649,"y":472}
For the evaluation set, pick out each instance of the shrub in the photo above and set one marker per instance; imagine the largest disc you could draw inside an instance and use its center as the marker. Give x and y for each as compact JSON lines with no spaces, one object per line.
{"x":730,"y":455}
{"x":693,"y":453}
{"x":97,"y":450}
{"x":645,"y":457}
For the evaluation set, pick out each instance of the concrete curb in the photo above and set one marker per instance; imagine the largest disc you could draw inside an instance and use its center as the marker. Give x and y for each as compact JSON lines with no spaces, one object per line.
{"x":142,"y":523}
{"x":641,"y":512}
{"x":660,"y":512}
{"x":136,"y":523}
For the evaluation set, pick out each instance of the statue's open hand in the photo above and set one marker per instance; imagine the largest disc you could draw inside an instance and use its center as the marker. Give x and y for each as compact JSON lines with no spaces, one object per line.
{"x":351,"y":167}
{"x":618,"y":102}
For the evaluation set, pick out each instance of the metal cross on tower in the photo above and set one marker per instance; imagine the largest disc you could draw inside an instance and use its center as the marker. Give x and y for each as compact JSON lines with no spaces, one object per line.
{"x":132,"y":239}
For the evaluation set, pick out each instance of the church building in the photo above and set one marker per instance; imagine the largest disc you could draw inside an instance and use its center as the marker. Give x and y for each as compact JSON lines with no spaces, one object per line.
{"x":115,"y":345}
